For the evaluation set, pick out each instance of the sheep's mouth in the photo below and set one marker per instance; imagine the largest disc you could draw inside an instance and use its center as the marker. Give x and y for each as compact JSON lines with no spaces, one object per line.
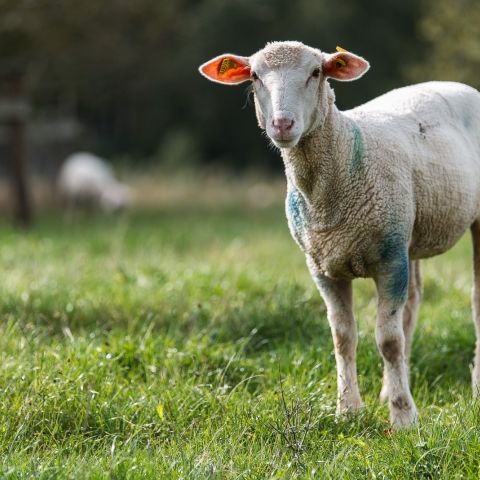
{"x":285,"y":142}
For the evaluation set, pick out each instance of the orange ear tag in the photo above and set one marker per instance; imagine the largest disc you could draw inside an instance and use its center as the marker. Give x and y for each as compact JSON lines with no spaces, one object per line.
{"x":229,"y":69}
{"x":226,"y":64}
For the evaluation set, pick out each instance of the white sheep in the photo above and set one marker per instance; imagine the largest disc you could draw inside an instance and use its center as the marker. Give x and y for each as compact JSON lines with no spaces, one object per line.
{"x":370,"y":191}
{"x":86,"y":180}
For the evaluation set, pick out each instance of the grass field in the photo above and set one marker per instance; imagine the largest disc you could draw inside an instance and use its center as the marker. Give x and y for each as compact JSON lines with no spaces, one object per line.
{"x":191,"y":343}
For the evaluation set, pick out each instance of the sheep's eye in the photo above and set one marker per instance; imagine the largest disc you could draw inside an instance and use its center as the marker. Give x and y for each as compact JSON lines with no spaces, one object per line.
{"x":254,"y":76}
{"x":316,"y":73}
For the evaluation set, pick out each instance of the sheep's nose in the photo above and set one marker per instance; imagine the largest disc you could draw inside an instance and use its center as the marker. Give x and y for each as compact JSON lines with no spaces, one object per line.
{"x":282,"y":125}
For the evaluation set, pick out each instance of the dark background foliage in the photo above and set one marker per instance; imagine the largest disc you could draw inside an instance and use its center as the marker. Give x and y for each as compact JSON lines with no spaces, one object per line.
{"x":128,"y":70}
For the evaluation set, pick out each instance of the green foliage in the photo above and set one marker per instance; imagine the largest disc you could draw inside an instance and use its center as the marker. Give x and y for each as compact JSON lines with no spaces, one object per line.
{"x":191,"y":343}
{"x":452,"y":36}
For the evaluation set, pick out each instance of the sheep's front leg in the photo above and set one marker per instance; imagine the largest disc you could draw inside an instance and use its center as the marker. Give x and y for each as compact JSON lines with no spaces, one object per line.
{"x":337,"y":295}
{"x":392,"y":286}
{"x":409,"y":315}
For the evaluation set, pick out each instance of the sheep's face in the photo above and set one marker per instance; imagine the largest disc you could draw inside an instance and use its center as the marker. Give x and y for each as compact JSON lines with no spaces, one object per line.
{"x":287,"y":82}
{"x":289,"y":85}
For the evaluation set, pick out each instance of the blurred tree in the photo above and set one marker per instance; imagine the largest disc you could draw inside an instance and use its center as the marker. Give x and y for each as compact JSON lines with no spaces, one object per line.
{"x":451,"y":31}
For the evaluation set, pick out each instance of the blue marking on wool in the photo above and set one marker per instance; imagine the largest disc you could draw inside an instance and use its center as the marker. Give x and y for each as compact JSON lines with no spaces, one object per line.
{"x":392,"y":243}
{"x":398,"y":284}
{"x":297,"y":214}
{"x":358,"y":150}
{"x":394,"y":253}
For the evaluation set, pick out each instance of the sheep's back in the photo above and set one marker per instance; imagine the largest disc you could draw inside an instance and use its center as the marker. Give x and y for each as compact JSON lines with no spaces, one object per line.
{"x":424,"y":142}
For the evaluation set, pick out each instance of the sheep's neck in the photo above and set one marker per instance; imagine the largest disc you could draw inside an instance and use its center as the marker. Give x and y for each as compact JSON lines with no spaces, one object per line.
{"x":321,"y":167}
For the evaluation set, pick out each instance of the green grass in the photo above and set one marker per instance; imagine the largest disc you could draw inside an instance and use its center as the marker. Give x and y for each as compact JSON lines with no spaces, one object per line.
{"x":191,"y":343}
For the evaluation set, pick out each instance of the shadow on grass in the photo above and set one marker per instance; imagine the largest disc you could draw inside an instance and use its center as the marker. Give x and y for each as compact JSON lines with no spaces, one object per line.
{"x":270,"y":319}
{"x":444,"y":359}
{"x":277,"y":315}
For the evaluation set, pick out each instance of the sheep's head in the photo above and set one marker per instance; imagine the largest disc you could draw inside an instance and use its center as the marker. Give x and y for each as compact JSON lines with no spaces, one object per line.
{"x":288,"y":83}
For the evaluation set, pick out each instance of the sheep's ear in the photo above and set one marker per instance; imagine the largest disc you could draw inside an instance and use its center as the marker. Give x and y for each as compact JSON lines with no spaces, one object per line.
{"x":227,"y":68}
{"x":344,"y":66}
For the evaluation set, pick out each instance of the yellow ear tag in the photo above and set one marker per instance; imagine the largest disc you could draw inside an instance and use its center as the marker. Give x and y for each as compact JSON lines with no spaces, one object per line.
{"x":340,"y":63}
{"x":340,"y":49}
{"x":227,"y":64}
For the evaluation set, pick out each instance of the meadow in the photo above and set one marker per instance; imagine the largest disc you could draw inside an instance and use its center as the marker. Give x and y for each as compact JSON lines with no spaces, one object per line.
{"x":188,"y":341}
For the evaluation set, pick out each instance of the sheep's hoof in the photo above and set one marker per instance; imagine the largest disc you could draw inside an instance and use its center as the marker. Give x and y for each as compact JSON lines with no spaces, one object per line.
{"x":351,"y":407}
{"x":403,"y":414}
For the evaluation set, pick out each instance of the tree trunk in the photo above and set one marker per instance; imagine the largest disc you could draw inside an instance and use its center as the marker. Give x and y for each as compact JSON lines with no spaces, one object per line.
{"x":23,"y":209}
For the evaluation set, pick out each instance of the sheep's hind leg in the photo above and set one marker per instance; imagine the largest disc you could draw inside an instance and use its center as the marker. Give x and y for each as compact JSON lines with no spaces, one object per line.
{"x":475,"y":229}
{"x":337,"y":295}
{"x":409,"y":316}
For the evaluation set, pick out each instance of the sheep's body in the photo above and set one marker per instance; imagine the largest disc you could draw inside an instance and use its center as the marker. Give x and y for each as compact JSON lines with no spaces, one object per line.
{"x":406,"y":167}
{"x":86,"y":180}
{"x":433,"y":130}
{"x":370,"y":191}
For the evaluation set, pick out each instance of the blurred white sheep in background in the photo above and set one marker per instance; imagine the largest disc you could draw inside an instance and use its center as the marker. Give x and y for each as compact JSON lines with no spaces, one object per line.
{"x":88,"y":181}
